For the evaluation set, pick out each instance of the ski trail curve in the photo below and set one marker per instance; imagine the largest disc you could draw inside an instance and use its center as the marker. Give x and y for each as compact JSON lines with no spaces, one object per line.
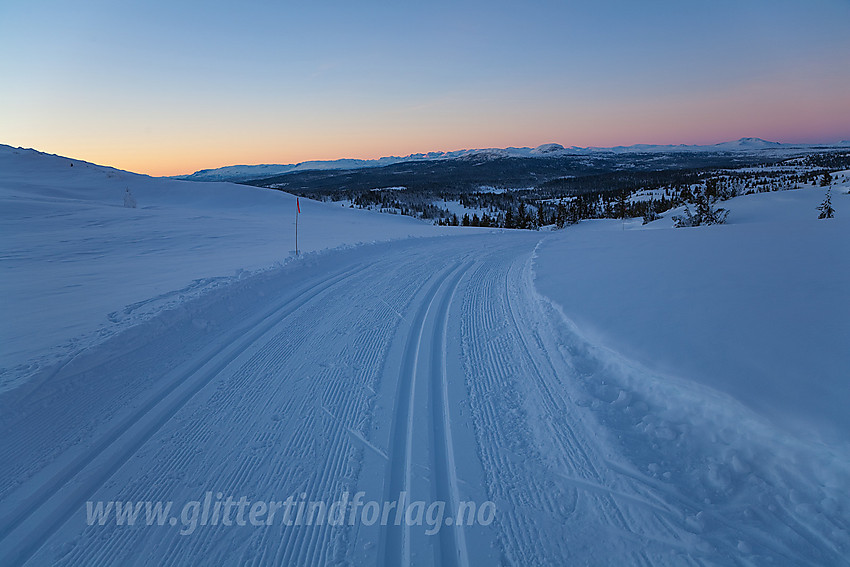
{"x":429,"y":369}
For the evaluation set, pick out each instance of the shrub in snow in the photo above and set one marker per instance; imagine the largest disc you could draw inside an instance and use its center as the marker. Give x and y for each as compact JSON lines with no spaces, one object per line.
{"x":129,"y":201}
{"x":686,"y":219}
{"x":705,"y":212}
{"x":825,"y":208}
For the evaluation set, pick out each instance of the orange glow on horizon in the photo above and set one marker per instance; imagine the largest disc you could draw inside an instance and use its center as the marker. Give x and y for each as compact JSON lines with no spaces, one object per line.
{"x":160,"y":89}
{"x":754,"y":112}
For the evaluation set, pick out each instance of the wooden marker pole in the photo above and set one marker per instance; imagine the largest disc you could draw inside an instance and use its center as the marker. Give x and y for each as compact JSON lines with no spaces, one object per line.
{"x":297,"y":212}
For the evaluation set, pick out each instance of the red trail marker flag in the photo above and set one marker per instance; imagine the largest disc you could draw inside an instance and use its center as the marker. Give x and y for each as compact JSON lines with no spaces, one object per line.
{"x":297,"y":204}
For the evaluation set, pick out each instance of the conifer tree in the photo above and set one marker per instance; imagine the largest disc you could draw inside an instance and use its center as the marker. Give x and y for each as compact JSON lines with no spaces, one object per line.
{"x":574,"y":214}
{"x":561,"y":217}
{"x":521,"y":216}
{"x":622,"y":205}
{"x":825,"y":208}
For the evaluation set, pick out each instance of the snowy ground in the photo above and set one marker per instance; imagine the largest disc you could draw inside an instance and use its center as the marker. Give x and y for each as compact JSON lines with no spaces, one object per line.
{"x":766,"y":292}
{"x":78,"y":266}
{"x":622,"y":394}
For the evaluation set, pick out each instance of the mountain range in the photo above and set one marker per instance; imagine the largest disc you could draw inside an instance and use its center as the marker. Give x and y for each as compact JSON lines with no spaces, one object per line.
{"x":743,"y":145}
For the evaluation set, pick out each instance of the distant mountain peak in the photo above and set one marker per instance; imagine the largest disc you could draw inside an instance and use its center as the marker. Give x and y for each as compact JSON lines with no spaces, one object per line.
{"x":548,"y":149}
{"x":750,"y":143}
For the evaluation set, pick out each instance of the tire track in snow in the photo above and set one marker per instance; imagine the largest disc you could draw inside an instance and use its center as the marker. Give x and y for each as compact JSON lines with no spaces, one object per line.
{"x":122,"y":441}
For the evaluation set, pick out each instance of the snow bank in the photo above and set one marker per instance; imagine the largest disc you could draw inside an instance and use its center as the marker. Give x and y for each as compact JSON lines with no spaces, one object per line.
{"x":756,"y":309}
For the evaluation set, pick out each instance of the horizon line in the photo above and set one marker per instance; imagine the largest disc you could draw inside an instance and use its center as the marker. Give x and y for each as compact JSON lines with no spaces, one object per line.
{"x":842,"y":140}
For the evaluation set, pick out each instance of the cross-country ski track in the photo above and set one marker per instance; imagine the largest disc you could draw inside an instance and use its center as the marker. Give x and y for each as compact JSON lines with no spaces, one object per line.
{"x":424,"y":367}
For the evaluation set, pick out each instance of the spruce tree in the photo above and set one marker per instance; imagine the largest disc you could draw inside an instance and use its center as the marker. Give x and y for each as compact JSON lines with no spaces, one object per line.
{"x":825,"y":208}
{"x":561,"y":218}
{"x":521,"y":216}
{"x":574,"y":214}
{"x":622,"y":205}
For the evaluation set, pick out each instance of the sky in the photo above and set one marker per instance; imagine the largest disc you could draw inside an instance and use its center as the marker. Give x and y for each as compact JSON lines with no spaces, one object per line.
{"x":167,"y":87}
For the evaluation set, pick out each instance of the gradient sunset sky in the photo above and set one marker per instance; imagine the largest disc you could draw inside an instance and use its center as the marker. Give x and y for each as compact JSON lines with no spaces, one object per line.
{"x":169,"y":87}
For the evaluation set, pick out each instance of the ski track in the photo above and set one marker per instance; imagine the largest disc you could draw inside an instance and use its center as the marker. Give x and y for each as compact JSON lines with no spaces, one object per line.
{"x":112,"y":450}
{"x":429,"y":368}
{"x":442,"y":473}
{"x":396,"y":541}
{"x":452,"y":539}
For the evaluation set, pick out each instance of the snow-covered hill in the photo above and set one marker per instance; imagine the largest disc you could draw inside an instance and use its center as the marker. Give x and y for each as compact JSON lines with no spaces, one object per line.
{"x":78,"y":265}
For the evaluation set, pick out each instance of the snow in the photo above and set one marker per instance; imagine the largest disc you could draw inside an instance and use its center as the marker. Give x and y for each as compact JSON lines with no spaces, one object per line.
{"x":489,"y":189}
{"x":78,"y":265}
{"x":621,"y":393}
{"x":756,"y":309}
{"x":244,"y":172}
{"x":748,"y":144}
{"x":457,"y":208}
{"x":715,"y":360}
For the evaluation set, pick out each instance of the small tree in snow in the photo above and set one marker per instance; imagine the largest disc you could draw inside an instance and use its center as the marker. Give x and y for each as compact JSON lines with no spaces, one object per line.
{"x":705,"y":212}
{"x":825,"y":208}
{"x":826,"y":180}
{"x":129,"y":200}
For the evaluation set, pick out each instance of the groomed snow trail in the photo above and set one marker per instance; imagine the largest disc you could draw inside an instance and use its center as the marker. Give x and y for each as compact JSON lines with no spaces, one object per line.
{"x":424,"y":370}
